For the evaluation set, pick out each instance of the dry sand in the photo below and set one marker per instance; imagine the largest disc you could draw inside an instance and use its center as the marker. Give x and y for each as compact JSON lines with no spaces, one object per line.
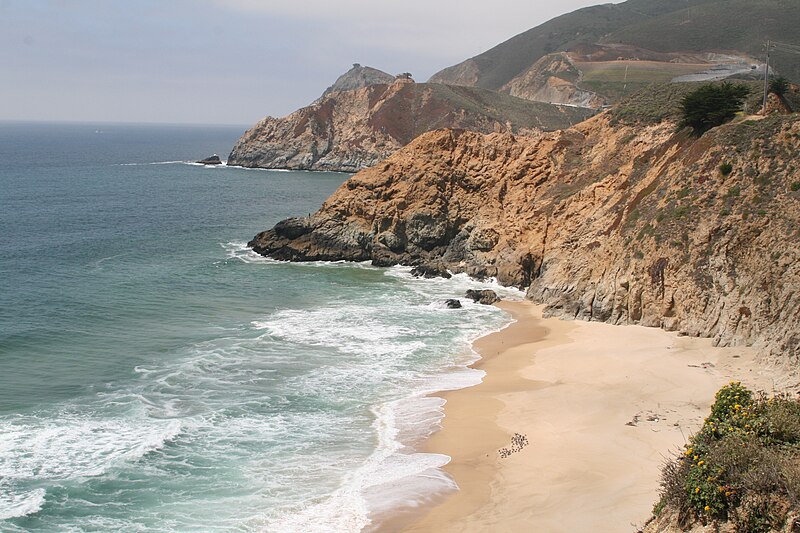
{"x":601,"y":408}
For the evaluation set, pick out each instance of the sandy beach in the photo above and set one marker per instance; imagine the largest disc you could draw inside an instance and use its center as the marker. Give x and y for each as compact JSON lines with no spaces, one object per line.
{"x":595,"y":408}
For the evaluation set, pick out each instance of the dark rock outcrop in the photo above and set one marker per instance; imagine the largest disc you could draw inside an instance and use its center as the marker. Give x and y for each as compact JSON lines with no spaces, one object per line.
{"x":213,"y":160}
{"x":453,"y":303}
{"x":484,"y":296}
{"x":430,"y":271}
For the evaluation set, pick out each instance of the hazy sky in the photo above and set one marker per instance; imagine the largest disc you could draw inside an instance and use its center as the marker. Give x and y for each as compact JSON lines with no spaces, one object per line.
{"x":229,"y":61}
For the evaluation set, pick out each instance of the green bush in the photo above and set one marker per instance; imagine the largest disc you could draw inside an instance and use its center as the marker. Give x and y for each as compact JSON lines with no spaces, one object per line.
{"x":725,"y":169}
{"x":742,"y":466}
{"x":795,"y":186}
{"x":712,"y":105}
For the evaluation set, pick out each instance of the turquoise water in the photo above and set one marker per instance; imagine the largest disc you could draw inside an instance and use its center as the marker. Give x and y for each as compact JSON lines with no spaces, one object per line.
{"x":155,"y":375}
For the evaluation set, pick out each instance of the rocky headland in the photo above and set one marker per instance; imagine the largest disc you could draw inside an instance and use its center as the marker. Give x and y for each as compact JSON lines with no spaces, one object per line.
{"x":353,"y":129}
{"x":622,"y":219}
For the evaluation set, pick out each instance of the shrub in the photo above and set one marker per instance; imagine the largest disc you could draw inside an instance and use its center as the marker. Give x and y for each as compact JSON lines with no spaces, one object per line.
{"x":712,"y":105}
{"x":725,"y":169}
{"x":742,"y":466}
{"x":795,"y":186}
{"x":779,"y":85}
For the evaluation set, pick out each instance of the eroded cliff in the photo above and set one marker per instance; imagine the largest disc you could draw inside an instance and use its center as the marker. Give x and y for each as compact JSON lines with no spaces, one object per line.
{"x":351,"y":130}
{"x":623,"y":223}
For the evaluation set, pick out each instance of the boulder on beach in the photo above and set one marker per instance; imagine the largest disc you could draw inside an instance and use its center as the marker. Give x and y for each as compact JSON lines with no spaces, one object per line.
{"x":485,"y":296}
{"x":213,"y":160}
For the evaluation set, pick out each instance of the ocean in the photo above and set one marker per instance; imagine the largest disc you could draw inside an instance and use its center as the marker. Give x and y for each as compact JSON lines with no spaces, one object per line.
{"x":156,"y":375}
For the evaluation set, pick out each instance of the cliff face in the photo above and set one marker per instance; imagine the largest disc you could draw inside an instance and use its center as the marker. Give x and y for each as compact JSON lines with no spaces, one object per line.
{"x":352,"y":130}
{"x":628,"y":224}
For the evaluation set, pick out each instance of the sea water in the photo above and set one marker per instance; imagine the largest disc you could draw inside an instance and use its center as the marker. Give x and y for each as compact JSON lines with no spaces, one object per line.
{"x":157,"y":375}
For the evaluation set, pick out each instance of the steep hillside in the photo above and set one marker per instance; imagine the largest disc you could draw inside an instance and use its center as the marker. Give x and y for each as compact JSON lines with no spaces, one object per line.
{"x":638,"y":30}
{"x":499,"y":65}
{"x":620,"y":219}
{"x":351,"y":130}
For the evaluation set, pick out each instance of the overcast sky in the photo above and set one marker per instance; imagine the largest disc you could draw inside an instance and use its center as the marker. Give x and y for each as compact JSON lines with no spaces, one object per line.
{"x":229,"y":61}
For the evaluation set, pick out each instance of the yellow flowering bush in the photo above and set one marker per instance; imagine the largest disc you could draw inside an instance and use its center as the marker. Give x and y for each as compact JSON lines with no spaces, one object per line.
{"x":742,"y":466}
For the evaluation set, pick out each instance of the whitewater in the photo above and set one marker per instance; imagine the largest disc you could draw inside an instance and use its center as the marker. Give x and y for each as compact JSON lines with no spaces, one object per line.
{"x":157,"y":375}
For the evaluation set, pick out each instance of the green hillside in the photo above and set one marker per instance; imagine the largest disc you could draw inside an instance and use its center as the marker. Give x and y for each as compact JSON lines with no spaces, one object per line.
{"x":661,"y":25}
{"x":742,"y":25}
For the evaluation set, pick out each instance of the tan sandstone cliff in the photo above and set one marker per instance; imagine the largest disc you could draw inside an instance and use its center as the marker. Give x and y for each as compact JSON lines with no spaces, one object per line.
{"x":627,"y":223}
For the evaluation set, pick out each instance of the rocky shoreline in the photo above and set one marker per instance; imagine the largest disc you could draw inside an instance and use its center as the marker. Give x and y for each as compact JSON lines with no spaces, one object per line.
{"x":606,"y":221}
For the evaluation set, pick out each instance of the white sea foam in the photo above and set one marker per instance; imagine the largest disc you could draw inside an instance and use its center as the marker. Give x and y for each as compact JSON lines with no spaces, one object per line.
{"x":391,"y":476}
{"x":152,"y":163}
{"x":394,"y":476}
{"x":22,"y":504}
{"x":73,"y":447}
{"x":378,"y":341}
{"x":191,"y":163}
{"x":262,"y":169}
{"x":284,"y":404}
{"x":459,"y":283}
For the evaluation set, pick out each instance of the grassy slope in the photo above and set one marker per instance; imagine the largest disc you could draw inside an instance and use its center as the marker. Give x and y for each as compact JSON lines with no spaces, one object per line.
{"x":417,"y":108}
{"x":506,"y":60}
{"x":654,"y":24}
{"x":742,"y":25}
{"x":658,"y":102}
{"x":505,"y":108}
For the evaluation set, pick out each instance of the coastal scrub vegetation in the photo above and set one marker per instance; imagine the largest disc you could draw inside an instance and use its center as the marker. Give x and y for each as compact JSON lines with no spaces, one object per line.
{"x":742,"y":467}
{"x":712,"y":105}
{"x":664,"y":101}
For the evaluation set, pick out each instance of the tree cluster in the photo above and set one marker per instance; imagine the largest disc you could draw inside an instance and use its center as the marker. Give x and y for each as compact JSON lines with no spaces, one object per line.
{"x":712,"y":105}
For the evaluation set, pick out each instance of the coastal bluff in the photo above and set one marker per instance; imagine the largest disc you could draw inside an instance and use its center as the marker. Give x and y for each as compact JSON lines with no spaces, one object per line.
{"x":618,"y":220}
{"x":362,"y":119}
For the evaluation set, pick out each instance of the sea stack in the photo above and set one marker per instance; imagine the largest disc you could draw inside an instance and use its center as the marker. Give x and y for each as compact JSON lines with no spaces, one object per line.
{"x":213,"y":160}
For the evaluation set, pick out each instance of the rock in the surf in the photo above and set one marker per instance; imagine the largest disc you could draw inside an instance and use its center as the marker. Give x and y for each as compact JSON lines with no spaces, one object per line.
{"x":213,"y":160}
{"x":485,"y":296}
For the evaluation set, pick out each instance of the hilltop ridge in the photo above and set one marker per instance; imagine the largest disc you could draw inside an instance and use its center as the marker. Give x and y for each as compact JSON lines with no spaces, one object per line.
{"x":670,"y":38}
{"x":358,"y":77}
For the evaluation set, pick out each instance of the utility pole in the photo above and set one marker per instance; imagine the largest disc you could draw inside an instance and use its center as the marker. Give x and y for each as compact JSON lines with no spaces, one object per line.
{"x":766,"y":80}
